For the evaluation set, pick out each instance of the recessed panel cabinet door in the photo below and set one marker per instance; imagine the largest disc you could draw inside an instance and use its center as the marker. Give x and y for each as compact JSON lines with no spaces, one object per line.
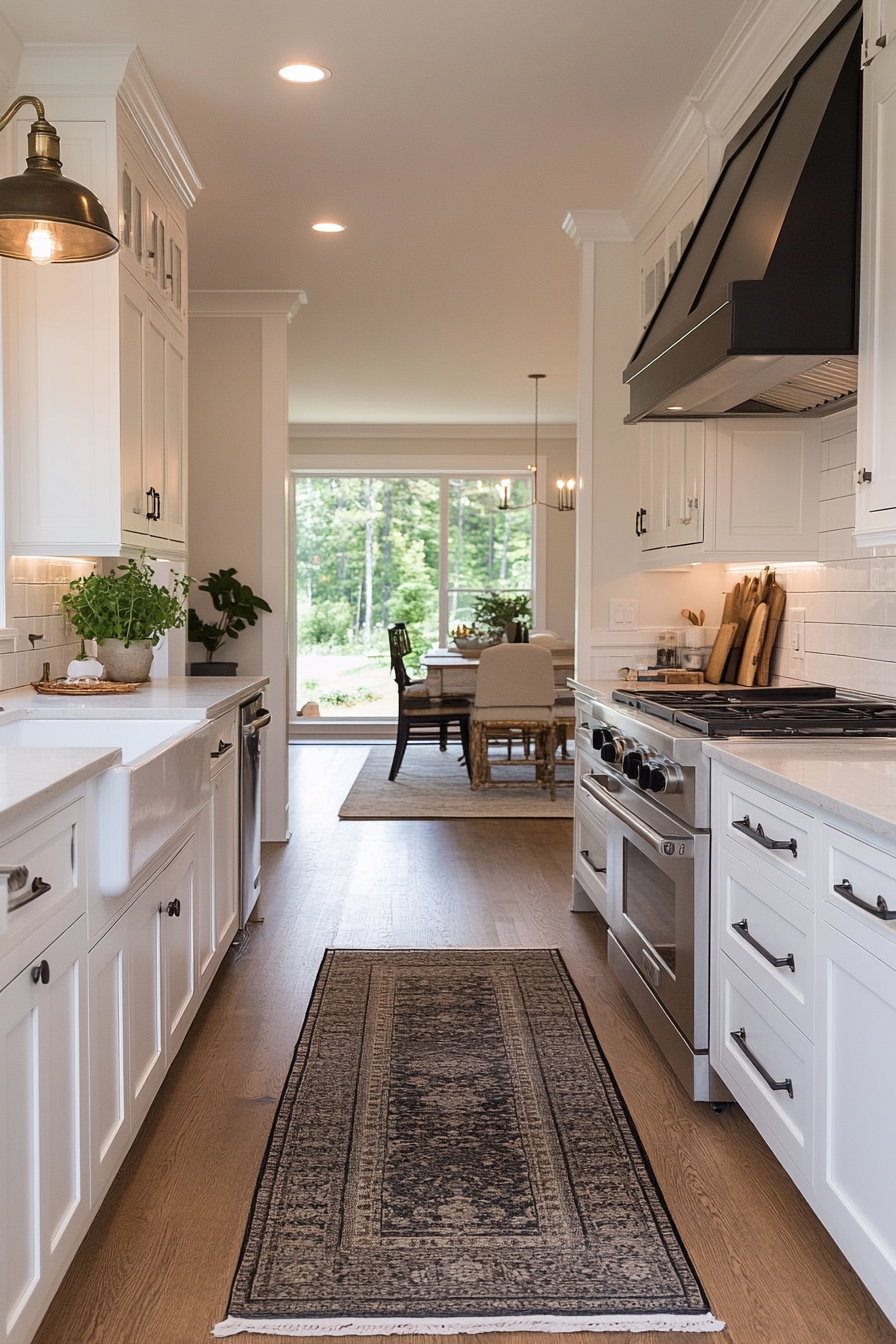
{"x":154,"y":374}
{"x":767,"y":489}
{"x":145,"y":1003}
{"x":172,"y":522}
{"x":177,"y":916}
{"x":876,"y":460}
{"x":857,"y":1180}
{"x":110,"y":1127}
{"x":43,"y":1128}
{"x":134,"y":508}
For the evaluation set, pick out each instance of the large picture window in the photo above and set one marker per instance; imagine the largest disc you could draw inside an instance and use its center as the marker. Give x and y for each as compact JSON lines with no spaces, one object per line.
{"x":375,"y":549}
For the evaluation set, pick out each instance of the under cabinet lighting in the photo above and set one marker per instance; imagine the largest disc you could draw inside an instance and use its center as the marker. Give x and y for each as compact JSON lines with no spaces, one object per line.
{"x":304,"y":74}
{"x":328,"y":226}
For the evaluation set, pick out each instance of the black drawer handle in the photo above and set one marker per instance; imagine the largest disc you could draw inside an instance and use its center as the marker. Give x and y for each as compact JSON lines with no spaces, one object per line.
{"x":586,"y":855}
{"x":172,"y":908}
{"x":39,"y":887}
{"x":758,"y":834}
{"x":880,"y":911}
{"x":640,"y":529}
{"x":742,"y":929}
{"x":41,"y":974}
{"x":740,"y":1040}
{"x":222,"y":747}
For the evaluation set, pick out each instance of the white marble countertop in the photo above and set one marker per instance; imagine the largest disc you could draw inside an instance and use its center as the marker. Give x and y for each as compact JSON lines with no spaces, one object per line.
{"x":160,"y":698}
{"x":850,"y":778}
{"x":32,"y":776}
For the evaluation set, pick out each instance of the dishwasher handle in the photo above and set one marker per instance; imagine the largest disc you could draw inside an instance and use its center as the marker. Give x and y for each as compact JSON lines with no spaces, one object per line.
{"x":260,"y":721}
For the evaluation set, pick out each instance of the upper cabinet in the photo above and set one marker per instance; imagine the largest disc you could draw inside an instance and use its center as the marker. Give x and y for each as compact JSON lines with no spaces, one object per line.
{"x":95,"y":363}
{"x":728,"y":490}
{"x":876,"y":460}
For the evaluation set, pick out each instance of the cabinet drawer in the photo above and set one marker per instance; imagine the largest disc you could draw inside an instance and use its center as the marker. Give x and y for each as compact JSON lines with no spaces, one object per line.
{"x":862,"y":872}
{"x":223,"y":740}
{"x":590,"y":859}
{"x":771,"y":822}
{"x":750,"y":907}
{"x":51,"y":851}
{"x":779,"y":1100}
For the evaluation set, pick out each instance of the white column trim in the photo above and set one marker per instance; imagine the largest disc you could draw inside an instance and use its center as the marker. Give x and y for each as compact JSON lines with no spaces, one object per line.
{"x":540,"y":547}
{"x":274,"y":587}
{"x":584,"y":457}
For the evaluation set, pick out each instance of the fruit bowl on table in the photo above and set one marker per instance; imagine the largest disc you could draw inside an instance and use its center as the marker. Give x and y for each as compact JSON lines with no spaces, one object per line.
{"x":470,"y":646}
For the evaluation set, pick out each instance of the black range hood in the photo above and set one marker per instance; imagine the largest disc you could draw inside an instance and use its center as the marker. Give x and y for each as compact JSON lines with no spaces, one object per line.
{"x":760,"y":317}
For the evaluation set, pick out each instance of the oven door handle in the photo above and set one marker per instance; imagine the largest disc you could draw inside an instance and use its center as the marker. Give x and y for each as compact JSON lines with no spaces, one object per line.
{"x":670,"y":846}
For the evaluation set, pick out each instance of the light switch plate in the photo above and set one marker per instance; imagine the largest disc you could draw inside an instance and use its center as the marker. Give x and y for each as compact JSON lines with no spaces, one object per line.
{"x":623,"y":613}
{"x":797,"y":618}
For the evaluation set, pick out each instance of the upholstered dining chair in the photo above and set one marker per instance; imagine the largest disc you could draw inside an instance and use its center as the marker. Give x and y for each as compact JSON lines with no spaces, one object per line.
{"x":421,"y":717}
{"x":514,"y":695}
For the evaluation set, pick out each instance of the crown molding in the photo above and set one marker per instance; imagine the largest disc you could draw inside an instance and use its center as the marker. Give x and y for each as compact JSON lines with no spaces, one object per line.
{"x":140,"y":96}
{"x":246,"y":302}
{"x":597,"y":226}
{"x":429,"y":431}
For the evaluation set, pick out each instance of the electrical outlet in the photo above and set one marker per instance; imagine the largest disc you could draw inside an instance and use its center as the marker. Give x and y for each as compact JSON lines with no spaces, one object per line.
{"x":797,"y":618}
{"x":623,"y":613}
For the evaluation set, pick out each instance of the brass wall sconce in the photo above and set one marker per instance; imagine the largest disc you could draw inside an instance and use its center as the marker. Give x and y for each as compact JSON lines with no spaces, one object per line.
{"x":45,"y":217}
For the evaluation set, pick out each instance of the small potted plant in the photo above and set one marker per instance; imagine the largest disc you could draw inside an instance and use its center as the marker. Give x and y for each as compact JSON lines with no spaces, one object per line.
{"x":127,"y":613}
{"x":238,"y":607}
{"x":507,"y":613}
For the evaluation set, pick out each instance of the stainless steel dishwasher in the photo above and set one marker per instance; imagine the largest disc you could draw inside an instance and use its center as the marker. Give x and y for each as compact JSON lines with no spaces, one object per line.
{"x":253,"y":717}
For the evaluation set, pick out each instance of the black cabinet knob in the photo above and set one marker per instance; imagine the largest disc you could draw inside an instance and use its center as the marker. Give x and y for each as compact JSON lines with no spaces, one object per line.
{"x":41,"y":974}
{"x":171,"y":909}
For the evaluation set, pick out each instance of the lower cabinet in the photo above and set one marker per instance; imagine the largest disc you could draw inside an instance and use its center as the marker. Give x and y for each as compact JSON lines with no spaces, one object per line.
{"x":804,"y":1012}
{"x":43,"y":1128}
{"x":143,"y":996}
{"x":218,"y":913}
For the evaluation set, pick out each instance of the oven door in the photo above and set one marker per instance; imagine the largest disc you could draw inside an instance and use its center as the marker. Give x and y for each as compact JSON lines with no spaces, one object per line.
{"x":658,"y":901}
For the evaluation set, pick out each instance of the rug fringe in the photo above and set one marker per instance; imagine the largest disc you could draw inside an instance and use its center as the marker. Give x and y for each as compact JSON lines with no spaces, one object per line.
{"x":465,"y":1325}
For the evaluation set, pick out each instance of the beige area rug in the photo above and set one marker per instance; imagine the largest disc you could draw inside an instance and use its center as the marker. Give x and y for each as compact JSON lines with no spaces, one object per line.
{"x":432,"y":786}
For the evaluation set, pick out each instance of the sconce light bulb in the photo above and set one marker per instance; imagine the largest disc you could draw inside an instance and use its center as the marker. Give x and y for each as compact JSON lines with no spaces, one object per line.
{"x":560,"y":482}
{"x":570,"y":484}
{"x":41,"y":243}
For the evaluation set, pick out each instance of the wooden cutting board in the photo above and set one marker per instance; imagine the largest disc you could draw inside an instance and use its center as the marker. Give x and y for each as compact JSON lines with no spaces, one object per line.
{"x":752,"y":649}
{"x":777,"y":598}
{"x":720,"y":650}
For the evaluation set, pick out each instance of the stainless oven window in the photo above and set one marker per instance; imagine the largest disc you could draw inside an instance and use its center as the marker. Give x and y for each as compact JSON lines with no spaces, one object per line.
{"x":649,"y":903}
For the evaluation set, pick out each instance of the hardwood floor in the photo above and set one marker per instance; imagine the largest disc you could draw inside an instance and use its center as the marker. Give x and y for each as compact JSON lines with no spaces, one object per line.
{"x":156,"y":1266}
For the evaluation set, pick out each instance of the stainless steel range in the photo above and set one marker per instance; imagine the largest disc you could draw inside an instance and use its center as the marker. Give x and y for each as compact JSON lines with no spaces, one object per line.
{"x":642,"y":848}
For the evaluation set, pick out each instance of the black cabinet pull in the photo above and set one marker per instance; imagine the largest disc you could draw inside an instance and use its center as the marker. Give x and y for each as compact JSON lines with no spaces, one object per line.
{"x":640,"y":529}
{"x":41,"y":974}
{"x":222,"y":747}
{"x":740,"y":1040}
{"x":172,"y":908}
{"x":880,"y":911}
{"x":39,"y":886}
{"x":742,"y":929}
{"x":586,"y":855}
{"x":151,"y":498}
{"x":758,"y":834}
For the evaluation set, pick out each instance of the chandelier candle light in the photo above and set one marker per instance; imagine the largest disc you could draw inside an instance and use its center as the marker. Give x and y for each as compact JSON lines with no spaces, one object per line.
{"x":566,"y":498}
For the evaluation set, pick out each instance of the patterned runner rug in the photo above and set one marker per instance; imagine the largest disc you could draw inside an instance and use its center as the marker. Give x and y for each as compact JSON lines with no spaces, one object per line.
{"x":431,"y":785}
{"x":451,"y":1155}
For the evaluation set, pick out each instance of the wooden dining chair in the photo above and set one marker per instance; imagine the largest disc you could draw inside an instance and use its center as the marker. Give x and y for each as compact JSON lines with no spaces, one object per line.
{"x":514,"y":697}
{"x":422,"y":717}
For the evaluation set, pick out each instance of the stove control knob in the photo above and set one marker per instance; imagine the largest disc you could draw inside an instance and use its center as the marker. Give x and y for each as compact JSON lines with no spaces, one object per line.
{"x":614,"y":750}
{"x":600,"y":737}
{"x":631,"y":764}
{"x":664,"y":777}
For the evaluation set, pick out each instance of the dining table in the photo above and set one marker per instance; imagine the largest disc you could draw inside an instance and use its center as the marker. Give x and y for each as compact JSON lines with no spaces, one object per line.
{"x":450,"y":672}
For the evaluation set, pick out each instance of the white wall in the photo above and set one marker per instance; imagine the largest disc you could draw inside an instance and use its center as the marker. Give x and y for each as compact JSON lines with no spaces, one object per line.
{"x":237,"y":491}
{"x":438,"y":445}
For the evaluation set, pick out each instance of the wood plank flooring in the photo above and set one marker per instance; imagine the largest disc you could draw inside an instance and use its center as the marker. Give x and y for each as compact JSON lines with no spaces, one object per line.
{"x":156,"y":1266}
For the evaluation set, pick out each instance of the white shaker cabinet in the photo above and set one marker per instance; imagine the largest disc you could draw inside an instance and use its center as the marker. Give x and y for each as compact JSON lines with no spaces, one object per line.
{"x":95,"y":356}
{"x":43,"y":1128}
{"x":728,"y":490}
{"x":218,"y":911}
{"x":876,"y":457}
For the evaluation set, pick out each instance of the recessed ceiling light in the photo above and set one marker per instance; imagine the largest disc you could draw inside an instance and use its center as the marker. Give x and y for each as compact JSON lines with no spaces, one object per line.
{"x":674,"y":408}
{"x":304,"y":74}
{"x":328,"y":226}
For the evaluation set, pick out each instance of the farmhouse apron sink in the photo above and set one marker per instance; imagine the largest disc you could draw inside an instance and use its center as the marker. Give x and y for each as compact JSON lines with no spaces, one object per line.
{"x":162,"y":780}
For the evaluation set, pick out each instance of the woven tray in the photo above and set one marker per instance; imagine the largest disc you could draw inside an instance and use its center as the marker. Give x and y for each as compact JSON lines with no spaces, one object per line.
{"x":101,"y":688}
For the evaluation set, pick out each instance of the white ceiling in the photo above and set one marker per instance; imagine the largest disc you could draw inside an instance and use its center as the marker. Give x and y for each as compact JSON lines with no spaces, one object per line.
{"x":451,"y":140}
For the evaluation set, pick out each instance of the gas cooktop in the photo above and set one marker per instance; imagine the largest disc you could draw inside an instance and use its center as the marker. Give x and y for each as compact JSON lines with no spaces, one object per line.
{"x":767,"y":711}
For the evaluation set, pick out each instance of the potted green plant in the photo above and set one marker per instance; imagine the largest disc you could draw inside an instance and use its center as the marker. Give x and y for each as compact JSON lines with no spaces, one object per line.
{"x":509,"y":613}
{"x":127,"y":613}
{"x":237,"y":606}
